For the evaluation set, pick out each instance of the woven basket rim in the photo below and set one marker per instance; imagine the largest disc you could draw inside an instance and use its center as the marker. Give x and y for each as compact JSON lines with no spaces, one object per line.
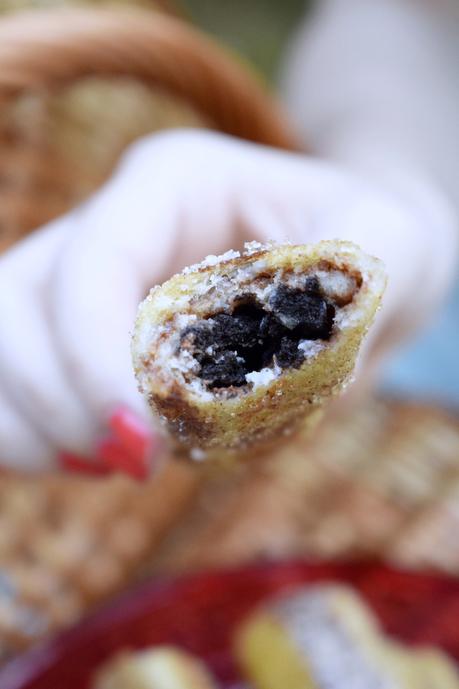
{"x":48,"y":49}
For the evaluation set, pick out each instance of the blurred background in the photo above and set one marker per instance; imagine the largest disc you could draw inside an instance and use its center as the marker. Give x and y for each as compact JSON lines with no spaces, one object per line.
{"x":382,"y":481}
{"x":427,"y":369}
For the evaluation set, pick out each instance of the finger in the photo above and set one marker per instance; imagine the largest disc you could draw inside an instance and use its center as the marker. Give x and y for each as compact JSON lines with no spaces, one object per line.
{"x":30,"y":369}
{"x":131,"y":235}
{"x":174,"y":199}
{"x":22,"y":448}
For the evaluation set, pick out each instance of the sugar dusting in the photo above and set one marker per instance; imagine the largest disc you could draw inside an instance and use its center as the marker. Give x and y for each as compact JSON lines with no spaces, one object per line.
{"x":311,"y":347}
{"x":255,"y":247}
{"x":328,"y":643}
{"x":211,"y":260}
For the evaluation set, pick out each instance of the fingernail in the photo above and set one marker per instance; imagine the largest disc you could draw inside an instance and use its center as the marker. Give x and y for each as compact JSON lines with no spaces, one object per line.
{"x":130,"y":447}
{"x":138,"y":440}
{"x":82,"y":465}
{"x":115,"y":457}
{"x":131,"y":431}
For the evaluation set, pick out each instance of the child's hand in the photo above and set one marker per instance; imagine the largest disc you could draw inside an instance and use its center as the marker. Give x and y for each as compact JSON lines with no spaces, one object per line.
{"x":69,"y":293}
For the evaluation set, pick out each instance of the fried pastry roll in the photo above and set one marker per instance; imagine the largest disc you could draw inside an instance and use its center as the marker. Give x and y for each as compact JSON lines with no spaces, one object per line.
{"x":241,"y":349}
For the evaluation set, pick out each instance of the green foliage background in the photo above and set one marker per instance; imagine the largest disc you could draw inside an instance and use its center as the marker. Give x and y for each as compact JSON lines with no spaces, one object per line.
{"x":257,"y":29}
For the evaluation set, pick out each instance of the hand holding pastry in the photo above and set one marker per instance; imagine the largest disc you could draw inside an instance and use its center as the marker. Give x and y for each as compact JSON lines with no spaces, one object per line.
{"x":69,"y":293}
{"x":241,"y":350}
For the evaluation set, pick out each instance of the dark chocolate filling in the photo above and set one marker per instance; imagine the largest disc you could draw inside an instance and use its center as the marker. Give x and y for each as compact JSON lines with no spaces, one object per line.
{"x":228,"y":346}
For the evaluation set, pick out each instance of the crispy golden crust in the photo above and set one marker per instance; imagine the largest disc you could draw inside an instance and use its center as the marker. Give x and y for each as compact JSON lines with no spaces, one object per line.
{"x":235,"y":419}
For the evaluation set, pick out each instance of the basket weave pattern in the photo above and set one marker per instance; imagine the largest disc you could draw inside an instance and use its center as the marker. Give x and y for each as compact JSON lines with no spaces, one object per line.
{"x":381,"y":481}
{"x":78,"y":84}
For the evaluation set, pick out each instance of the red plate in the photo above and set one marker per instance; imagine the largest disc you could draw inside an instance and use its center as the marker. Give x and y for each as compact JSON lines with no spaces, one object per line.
{"x":199,"y":612}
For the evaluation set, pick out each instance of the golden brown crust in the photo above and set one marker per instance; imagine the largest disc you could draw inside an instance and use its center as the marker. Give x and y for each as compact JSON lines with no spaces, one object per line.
{"x":235,"y":419}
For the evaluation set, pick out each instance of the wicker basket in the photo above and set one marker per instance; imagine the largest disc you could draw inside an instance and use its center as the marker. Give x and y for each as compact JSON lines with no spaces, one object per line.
{"x":78,"y":84}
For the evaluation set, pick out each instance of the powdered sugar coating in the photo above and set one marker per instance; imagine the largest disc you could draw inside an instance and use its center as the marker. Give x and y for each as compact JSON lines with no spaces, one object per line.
{"x":212,"y":260}
{"x":311,"y":347}
{"x":327,"y":641}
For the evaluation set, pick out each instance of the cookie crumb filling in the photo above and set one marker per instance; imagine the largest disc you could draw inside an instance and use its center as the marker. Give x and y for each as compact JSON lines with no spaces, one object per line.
{"x":257,"y":339}
{"x":245,"y":348}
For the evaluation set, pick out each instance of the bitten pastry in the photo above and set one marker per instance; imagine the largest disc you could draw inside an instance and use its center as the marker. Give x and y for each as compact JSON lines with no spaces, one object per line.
{"x":241,"y":349}
{"x":159,"y":668}
{"x":324,"y":637}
